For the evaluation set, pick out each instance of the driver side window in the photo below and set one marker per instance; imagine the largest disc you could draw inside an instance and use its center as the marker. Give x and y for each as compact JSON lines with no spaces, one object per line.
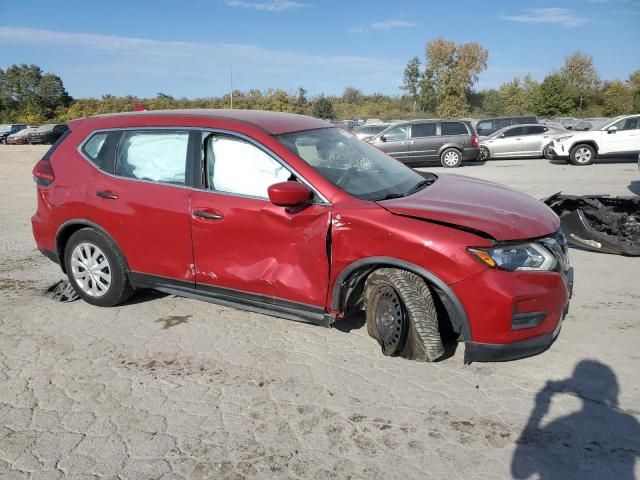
{"x":397,"y":134}
{"x":238,"y":167}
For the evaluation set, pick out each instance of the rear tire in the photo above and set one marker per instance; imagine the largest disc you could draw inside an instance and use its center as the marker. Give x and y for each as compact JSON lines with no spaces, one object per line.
{"x":484,"y":153}
{"x":451,"y":158}
{"x":401,"y":315}
{"x":96,"y":268}
{"x":546,"y":153}
{"x":582,"y":154}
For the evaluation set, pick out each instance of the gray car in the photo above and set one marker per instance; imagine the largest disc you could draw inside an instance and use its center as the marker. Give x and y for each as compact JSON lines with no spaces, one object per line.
{"x":421,"y":142}
{"x":530,"y":140}
{"x":368,"y":131}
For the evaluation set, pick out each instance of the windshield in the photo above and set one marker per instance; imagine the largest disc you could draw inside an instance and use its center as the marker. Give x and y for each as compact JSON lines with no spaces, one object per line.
{"x":45,"y":128}
{"x":5,"y":127}
{"x":353,"y":165}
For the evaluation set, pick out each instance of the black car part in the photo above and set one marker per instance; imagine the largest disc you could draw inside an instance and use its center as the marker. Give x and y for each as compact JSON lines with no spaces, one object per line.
{"x":599,"y":222}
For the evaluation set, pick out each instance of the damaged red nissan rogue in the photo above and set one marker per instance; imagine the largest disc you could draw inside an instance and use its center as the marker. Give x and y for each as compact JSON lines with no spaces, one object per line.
{"x":287,"y":215}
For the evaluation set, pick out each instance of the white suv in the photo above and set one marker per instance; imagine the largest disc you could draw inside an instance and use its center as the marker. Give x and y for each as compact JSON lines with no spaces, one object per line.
{"x":619,"y":137}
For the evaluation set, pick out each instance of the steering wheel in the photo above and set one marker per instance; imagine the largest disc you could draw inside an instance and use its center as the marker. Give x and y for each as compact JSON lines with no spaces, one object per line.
{"x":345,"y":174}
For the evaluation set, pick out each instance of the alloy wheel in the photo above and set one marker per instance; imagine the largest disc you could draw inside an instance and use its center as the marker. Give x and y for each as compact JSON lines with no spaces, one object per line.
{"x":90,"y":269}
{"x":582,"y":155}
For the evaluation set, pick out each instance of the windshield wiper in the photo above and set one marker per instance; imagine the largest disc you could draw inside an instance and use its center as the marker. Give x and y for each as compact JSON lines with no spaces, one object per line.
{"x":419,"y":186}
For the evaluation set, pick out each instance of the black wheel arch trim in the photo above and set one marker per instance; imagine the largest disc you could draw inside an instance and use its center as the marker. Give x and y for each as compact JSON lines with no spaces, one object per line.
{"x":589,"y":142}
{"x":83,"y":222}
{"x":345,"y":283}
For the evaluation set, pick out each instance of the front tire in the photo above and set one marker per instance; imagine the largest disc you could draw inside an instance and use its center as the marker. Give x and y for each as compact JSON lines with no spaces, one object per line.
{"x":401,"y":315}
{"x":96,"y":268}
{"x":582,"y":154}
{"x":547,"y":153}
{"x":451,"y":158}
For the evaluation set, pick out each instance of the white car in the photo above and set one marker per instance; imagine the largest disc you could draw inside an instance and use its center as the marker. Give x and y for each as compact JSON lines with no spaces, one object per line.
{"x":620,"y":136}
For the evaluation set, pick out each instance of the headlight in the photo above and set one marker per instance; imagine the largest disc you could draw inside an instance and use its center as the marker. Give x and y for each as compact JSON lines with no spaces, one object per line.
{"x":562,"y":139}
{"x":526,"y":256}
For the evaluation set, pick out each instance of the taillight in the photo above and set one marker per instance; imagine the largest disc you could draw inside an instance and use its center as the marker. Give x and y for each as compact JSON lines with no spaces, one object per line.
{"x":43,"y":173}
{"x":474,"y":142}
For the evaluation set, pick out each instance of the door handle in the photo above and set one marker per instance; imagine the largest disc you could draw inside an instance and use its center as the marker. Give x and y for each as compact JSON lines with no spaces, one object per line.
{"x":207,"y":215}
{"x":107,"y":195}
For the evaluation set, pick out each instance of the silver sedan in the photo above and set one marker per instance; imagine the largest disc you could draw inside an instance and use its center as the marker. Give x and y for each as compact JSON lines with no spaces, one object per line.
{"x":529,"y":140}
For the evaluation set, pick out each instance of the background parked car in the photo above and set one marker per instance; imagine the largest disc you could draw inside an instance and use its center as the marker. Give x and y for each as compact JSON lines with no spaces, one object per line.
{"x":491,"y":125}
{"x":419,"y":142}
{"x":590,"y":124}
{"x":9,"y":129}
{"x":567,"y":122}
{"x":620,"y":136}
{"x":367,"y":132}
{"x":519,"y":141}
{"x":47,"y":134}
{"x":20,"y":137}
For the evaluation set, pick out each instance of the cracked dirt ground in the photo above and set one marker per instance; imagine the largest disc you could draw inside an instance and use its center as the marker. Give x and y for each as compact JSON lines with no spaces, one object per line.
{"x":171,"y":388}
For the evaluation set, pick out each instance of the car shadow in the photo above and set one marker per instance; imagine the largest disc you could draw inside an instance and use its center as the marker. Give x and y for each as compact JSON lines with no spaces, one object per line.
{"x":143,"y":295}
{"x":634,"y":187}
{"x":598,"y":441}
{"x":599,"y":160}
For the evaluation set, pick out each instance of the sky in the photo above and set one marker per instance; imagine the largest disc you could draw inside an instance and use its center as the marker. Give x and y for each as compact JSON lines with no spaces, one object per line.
{"x":188,"y":48}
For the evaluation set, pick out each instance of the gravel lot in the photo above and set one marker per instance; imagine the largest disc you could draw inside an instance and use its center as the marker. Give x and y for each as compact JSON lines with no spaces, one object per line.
{"x":167,"y":387}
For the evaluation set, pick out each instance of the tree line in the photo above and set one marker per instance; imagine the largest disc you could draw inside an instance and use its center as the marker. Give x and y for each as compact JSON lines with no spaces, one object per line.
{"x":440,"y":85}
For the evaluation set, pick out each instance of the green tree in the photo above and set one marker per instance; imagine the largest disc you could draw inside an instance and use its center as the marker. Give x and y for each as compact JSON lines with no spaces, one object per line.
{"x":581,"y":77}
{"x":554,"y":98}
{"x":352,"y":95}
{"x":634,"y":85}
{"x":411,"y":79}
{"x":322,"y":108}
{"x":492,"y":104}
{"x":617,"y":99}
{"x":450,"y":72}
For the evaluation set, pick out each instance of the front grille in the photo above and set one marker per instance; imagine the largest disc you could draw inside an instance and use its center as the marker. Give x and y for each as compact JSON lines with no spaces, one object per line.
{"x":557,"y":245}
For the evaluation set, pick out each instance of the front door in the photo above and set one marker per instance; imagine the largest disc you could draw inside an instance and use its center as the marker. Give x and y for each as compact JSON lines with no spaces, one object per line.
{"x":142,"y":202}
{"x":246,"y":247}
{"x":625,"y":138}
{"x":395,"y":143}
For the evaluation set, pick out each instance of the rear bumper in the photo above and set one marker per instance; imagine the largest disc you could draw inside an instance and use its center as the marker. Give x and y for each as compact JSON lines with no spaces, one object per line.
{"x":471,"y":153}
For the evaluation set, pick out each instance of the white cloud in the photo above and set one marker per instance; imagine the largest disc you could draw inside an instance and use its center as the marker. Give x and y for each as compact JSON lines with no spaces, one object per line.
{"x":381,"y":26}
{"x":269,"y":6}
{"x":166,"y":60}
{"x":563,"y":17}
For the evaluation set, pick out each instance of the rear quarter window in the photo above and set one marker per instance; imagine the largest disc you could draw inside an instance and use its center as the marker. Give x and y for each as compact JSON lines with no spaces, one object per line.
{"x":100,"y":149}
{"x":453,"y":128}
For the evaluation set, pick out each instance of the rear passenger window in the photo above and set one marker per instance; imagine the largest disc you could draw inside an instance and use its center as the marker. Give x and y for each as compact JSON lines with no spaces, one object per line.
{"x":514,"y":132}
{"x":423,"y":130}
{"x":159,"y":156}
{"x":453,"y":128}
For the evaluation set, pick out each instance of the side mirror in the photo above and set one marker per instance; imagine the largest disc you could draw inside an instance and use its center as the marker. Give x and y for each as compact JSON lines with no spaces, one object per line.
{"x":612,"y":129}
{"x":502,"y":136}
{"x":289,"y":194}
{"x":383,"y":139}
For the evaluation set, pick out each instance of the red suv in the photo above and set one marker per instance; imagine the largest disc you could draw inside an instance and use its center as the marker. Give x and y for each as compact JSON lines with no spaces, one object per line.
{"x":287,"y":215}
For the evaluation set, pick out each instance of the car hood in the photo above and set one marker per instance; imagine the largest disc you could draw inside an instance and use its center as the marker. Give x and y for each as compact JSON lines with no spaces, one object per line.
{"x":490,"y":208}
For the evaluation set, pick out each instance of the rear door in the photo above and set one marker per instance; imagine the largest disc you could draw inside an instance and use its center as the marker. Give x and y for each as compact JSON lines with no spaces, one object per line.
{"x":424,"y":143}
{"x":396,"y":142}
{"x":535,"y":139}
{"x":143,"y":201}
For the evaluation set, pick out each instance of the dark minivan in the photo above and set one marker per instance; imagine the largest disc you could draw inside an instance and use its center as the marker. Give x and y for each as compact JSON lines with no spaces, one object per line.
{"x":420,"y":142}
{"x":47,"y":134}
{"x":488,"y":126}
